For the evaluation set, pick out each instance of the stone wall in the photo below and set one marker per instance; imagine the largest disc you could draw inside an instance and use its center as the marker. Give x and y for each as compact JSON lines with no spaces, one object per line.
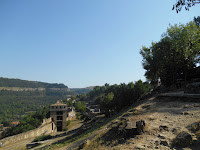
{"x":46,"y":121}
{"x":42,"y":130}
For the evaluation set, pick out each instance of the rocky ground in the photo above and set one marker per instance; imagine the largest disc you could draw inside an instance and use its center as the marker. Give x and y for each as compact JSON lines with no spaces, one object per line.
{"x":171,"y":123}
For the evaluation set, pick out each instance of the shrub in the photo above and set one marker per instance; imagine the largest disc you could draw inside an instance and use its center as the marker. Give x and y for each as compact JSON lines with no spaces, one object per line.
{"x":68,"y":122}
{"x":42,"y":138}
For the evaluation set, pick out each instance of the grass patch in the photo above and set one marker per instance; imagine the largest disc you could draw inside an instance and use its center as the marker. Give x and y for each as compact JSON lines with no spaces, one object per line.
{"x":42,"y":138}
{"x":73,"y":123}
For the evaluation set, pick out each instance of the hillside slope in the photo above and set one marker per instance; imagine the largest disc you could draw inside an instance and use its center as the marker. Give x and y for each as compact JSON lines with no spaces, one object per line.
{"x":172,"y":122}
{"x":81,"y":90}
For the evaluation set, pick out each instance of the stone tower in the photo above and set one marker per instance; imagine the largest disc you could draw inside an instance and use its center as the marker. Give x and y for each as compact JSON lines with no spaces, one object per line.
{"x":58,"y":113}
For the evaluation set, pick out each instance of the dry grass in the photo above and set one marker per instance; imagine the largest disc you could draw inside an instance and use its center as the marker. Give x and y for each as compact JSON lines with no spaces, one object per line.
{"x":73,"y":124}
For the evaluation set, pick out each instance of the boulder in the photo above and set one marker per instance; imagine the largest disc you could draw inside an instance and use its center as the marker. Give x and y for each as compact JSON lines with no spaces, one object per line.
{"x":183,"y":139}
{"x":194,"y":127}
{"x":140,"y":125}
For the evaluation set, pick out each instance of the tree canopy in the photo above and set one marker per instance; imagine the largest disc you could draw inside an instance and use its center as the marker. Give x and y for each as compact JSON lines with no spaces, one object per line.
{"x":174,"y":56}
{"x":29,"y":122}
{"x":187,"y":3}
{"x":112,"y":98}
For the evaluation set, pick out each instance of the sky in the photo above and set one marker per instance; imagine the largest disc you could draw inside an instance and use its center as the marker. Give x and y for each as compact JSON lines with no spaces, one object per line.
{"x":82,"y":43}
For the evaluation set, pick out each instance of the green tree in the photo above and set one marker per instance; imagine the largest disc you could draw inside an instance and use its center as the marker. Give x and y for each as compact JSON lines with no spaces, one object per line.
{"x":106,"y":104}
{"x":1,"y":127}
{"x":197,"y":21}
{"x":80,"y":107}
{"x":176,"y":54}
{"x":29,"y":122}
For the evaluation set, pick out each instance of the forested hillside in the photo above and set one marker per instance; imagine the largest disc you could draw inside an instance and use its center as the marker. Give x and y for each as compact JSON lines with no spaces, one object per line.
{"x":16,"y":104}
{"x":113,"y":98}
{"x":81,"y":90}
{"x":6,"y":82}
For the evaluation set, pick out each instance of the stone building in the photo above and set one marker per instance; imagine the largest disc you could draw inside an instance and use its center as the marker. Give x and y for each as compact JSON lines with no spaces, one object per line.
{"x":71,"y":114}
{"x":58,"y":113}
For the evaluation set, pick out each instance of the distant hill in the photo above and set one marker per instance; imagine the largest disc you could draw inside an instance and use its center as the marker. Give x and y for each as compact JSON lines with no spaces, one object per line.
{"x":82,"y":90}
{"x":6,"y":82}
{"x":18,"y":97}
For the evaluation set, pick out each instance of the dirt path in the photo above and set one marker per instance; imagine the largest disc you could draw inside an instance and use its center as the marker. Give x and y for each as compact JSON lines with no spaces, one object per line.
{"x":79,"y":142}
{"x":21,"y":145}
{"x":60,"y":136}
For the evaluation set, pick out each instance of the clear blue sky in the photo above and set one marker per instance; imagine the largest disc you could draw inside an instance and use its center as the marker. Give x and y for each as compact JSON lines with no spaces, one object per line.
{"x":81,"y":42}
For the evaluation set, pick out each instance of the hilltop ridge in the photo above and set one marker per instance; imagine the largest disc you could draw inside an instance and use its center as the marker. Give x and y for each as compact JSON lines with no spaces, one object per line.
{"x":8,"y":82}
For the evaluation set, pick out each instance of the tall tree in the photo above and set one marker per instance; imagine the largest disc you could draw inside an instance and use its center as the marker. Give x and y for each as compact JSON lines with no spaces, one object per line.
{"x":174,"y":55}
{"x":106,"y":104}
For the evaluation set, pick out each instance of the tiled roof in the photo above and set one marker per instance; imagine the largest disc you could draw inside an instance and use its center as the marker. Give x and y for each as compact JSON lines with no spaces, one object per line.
{"x":15,"y":123}
{"x":58,"y":103}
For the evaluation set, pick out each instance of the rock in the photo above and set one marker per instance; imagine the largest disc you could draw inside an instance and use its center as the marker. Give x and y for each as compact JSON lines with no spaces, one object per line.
{"x":140,"y":146}
{"x":86,"y":142}
{"x":150,"y":147}
{"x":194,"y":127}
{"x":1,"y":144}
{"x":165,"y":143}
{"x":185,"y":113}
{"x":174,"y":130}
{"x":183,"y":139}
{"x":140,"y":125}
{"x":121,"y":141}
{"x":164,"y":147}
{"x":162,"y":137}
{"x":157,"y":143}
{"x":163,"y":128}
